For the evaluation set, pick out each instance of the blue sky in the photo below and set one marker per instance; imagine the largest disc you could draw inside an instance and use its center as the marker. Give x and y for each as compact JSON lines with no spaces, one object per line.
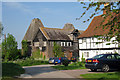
{"x":17,"y":16}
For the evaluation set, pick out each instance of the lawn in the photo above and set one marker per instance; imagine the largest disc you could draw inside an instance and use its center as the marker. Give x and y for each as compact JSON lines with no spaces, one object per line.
{"x":73,"y":66}
{"x":102,"y":76}
{"x":9,"y":70}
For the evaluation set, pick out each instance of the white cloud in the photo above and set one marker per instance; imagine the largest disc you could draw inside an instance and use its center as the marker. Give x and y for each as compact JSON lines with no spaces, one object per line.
{"x":19,"y":6}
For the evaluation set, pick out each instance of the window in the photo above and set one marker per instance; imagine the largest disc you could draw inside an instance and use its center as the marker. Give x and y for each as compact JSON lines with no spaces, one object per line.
{"x":64,"y":43}
{"x":110,"y":57}
{"x":98,"y":56}
{"x":118,"y":56}
{"x":61,"y":43}
{"x":68,"y":43}
{"x":83,"y":40}
{"x":86,"y":54}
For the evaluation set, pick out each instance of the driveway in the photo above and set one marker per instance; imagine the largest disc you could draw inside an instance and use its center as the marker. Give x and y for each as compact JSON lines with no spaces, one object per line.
{"x":46,"y":71}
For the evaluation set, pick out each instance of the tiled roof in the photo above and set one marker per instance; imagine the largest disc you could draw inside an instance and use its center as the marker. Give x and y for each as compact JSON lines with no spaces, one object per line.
{"x":33,"y":29}
{"x":55,"y":33}
{"x":49,"y":33}
{"x":95,"y":29}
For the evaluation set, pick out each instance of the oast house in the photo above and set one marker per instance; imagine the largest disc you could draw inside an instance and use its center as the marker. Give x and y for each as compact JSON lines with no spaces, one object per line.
{"x":43,"y":38}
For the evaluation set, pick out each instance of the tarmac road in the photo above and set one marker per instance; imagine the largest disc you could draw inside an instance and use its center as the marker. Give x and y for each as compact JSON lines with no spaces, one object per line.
{"x":46,"y":71}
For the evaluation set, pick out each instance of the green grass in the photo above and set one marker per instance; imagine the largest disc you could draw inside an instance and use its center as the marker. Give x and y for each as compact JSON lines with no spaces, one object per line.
{"x":30,"y":62}
{"x":102,"y":76}
{"x":72,"y":66}
{"x":10,"y":70}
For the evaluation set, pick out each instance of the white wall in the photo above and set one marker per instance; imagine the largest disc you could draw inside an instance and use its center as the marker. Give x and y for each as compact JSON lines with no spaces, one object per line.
{"x":90,"y":43}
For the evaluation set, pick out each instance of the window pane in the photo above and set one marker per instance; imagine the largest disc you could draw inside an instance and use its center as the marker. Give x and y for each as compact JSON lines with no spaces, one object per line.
{"x":109,"y":57}
{"x":118,"y":56}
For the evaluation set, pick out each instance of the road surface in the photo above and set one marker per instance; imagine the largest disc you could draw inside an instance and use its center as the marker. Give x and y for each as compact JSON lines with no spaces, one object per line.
{"x":46,"y":71}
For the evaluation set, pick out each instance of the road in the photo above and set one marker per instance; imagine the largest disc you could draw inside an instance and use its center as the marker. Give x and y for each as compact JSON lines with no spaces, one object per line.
{"x":46,"y":71}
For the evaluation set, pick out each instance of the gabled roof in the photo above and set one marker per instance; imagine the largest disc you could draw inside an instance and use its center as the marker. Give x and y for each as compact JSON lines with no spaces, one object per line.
{"x":55,"y":33}
{"x":49,"y":33}
{"x":95,"y":29}
{"x":33,"y":29}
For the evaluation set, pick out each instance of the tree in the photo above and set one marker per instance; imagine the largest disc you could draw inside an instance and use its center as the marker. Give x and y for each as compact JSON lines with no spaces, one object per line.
{"x":114,"y":7}
{"x":24,"y":48}
{"x":9,"y":48}
{"x":57,"y":50}
{"x":1,"y":29}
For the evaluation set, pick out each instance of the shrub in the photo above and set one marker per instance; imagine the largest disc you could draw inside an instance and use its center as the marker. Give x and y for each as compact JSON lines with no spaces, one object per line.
{"x":65,"y":62}
{"x":44,"y":57}
{"x":83,"y":59}
{"x":36,"y":54}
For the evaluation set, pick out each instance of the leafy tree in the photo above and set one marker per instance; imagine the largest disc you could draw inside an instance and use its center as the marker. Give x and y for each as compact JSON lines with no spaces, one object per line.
{"x":57,"y":50}
{"x":24,"y":48}
{"x":9,"y":48}
{"x":114,"y":24}
{"x":1,"y":29}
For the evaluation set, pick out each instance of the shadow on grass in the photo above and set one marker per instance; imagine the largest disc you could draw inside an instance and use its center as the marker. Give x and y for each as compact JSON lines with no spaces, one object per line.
{"x":11,"y":70}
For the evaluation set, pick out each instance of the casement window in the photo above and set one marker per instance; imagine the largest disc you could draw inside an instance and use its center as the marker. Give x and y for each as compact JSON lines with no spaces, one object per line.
{"x":61,"y":43}
{"x":83,"y":40}
{"x":69,"y":44}
{"x":64,"y":43}
{"x":86,"y":54}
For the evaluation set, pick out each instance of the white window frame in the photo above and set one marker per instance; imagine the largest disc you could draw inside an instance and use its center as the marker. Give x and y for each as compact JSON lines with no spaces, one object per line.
{"x":64,"y":43}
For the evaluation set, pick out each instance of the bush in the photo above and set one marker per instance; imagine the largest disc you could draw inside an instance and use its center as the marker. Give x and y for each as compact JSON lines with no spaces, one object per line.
{"x":65,"y":62}
{"x":83,"y":59}
{"x":36,"y":54}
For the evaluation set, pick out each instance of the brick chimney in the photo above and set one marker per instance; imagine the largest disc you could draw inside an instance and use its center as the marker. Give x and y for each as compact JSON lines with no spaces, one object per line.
{"x":106,"y":9}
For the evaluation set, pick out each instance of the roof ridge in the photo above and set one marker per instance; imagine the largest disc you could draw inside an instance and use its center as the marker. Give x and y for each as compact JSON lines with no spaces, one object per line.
{"x":57,"y":28}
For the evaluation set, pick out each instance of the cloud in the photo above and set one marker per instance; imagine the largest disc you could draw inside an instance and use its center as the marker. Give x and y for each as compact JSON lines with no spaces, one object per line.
{"x":19,"y":6}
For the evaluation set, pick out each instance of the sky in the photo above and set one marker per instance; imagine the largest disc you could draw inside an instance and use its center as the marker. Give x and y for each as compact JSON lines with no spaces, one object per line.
{"x":17,"y":16}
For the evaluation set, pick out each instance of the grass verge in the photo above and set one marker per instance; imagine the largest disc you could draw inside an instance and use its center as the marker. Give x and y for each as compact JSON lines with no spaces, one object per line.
{"x":73,"y":66}
{"x":102,"y":76}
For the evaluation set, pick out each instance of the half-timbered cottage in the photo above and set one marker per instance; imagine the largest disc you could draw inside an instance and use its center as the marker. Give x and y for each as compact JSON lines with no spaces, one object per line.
{"x":89,"y":45}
